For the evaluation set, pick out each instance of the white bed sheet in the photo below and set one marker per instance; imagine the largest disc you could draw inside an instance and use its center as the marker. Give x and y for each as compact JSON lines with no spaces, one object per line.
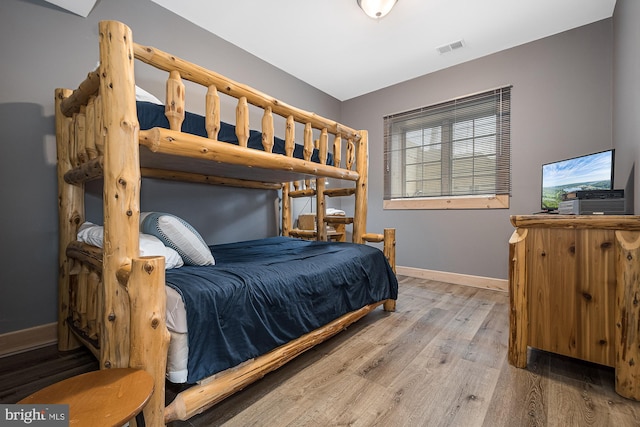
{"x":178,"y":353}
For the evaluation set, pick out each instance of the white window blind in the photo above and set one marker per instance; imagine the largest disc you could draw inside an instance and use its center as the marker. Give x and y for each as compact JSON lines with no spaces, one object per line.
{"x":456,"y":148}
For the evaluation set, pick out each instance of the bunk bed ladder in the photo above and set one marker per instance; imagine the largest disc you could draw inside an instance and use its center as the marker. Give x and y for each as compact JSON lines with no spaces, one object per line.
{"x":320,"y":191}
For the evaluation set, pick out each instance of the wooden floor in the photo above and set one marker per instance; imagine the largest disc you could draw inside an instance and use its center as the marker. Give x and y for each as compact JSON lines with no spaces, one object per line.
{"x":439,"y":360}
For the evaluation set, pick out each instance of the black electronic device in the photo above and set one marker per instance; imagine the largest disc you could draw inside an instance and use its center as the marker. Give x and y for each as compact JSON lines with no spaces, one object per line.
{"x":594,"y":194}
{"x":592,"y":207}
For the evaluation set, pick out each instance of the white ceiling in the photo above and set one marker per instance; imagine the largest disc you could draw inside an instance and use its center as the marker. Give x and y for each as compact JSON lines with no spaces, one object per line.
{"x":333,"y":46}
{"x":79,"y":7}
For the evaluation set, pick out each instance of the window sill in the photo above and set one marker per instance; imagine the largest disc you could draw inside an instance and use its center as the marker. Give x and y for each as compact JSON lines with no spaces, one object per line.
{"x":459,"y":202}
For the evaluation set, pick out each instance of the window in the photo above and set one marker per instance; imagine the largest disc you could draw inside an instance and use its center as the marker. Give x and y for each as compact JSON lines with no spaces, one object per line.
{"x":451,"y":155}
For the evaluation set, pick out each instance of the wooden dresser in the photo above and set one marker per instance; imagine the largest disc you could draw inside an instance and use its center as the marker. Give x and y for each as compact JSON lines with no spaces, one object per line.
{"x":574,"y":289}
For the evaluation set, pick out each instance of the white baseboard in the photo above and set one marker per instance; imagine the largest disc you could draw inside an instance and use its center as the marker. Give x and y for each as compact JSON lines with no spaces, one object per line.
{"x":28,"y":339}
{"x":501,"y":285}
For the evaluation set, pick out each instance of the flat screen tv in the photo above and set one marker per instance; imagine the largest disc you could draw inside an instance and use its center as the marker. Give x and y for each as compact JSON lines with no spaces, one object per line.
{"x":588,"y":172}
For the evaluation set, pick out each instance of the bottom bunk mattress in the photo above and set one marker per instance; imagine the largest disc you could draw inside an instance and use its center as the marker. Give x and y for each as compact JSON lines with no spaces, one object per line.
{"x":261,"y":294}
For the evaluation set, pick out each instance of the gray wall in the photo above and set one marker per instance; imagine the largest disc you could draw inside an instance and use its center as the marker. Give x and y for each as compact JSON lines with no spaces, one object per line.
{"x":561,"y":107}
{"x":44,"y":47}
{"x":626,"y":97}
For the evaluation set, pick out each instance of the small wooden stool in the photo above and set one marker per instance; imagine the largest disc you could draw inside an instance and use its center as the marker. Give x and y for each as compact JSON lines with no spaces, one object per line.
{"x":109,"y":397}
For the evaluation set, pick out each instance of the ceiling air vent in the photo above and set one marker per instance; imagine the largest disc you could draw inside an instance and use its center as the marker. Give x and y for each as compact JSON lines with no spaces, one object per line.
{"x":450,"y":47}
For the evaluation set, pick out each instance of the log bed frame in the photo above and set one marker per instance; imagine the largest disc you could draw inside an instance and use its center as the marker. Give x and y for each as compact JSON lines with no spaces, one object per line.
{"x":113,"y":300}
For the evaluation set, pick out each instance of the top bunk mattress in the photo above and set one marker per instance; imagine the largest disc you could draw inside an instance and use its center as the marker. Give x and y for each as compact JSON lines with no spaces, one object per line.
{"x":263,"y":293}
{"x":152,"y":115}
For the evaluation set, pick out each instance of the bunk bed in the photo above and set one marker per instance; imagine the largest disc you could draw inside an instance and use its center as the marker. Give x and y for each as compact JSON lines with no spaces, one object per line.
{"x":113,"y":297}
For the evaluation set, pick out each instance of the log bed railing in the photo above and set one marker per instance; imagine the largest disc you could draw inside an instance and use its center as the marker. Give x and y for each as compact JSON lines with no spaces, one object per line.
{"x":113,"y":300}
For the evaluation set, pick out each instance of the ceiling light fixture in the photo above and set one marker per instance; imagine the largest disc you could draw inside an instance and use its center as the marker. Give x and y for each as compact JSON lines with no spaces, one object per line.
{"x":376,"y":9}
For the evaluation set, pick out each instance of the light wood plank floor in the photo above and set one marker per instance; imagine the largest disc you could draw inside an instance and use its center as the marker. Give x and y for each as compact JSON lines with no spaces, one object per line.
{"x":439,"y":360}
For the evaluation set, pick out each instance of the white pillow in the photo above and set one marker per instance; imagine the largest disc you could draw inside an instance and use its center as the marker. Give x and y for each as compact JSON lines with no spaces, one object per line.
{"x":149,"y":245}
{"x":334,"y":211}
{"x":143,"y":95}
{"x":91,"y":234}
{"x":179,"y":235}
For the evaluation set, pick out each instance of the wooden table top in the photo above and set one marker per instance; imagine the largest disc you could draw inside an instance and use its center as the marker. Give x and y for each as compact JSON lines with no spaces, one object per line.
{"x":607,"y":222}
{"x":109,"y":397}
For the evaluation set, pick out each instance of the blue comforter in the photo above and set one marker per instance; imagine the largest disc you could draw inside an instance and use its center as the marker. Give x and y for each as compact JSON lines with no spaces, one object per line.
{"x":264,"y":293}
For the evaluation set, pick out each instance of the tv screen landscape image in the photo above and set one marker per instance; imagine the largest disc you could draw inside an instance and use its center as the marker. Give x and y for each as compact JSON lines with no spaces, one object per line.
{"x":589,"y":172}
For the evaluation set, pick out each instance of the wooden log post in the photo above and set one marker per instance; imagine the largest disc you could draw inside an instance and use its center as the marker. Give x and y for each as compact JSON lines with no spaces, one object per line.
{"x":286,"y":209}
{"x":321,"y":227}
{"x":267,"y":130}
{"x":83,"y":296}
{"x":323,"y":146}
{"x":94,"y":286}
{"x":121,"y":186}
{"x":307,"y":147}
{"x":99,"y":123}
{"x":337,"y":150}
{"x":389,"y":247}
{"x":80,"y":135}
{"x":307,"y":143}
{"x":519,"y":306}
{"x":362,"y":167}
{"x":174,"y":108}
{"x":73,"y":141}
{"x":351,"y":154}
{"x":90,"y":129}
{"x":289,"y":137}
{"x":149,"y":334}
{"x":389,"y":250}
{"x":242,"y":122}
{"x":212,"y":112}
{"x":627,"y":314}
{"x":73,"y":300}
{"x":389,"y":305}
{"x":289,"y":145}
{"x":70,"y":216}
